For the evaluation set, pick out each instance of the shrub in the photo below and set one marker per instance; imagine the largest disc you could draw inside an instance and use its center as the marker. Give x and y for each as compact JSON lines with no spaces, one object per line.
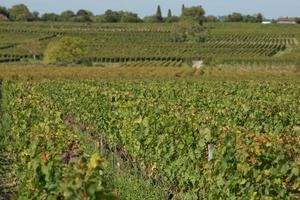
{"x":67,"y":50}
{"x":188,"y":31}
{"x":172,"y":19}
{"x":20,"y":13}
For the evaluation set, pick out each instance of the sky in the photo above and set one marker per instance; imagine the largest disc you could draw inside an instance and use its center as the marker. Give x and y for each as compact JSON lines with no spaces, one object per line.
{"x":269,"y":8}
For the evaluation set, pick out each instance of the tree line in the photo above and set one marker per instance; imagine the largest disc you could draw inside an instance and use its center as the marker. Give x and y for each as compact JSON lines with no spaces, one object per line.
{"x":21,"y":12}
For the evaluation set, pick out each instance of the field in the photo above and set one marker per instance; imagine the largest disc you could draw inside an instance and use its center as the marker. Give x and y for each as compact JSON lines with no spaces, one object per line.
{"x":152,"y":44}
{"x":141,"y":123}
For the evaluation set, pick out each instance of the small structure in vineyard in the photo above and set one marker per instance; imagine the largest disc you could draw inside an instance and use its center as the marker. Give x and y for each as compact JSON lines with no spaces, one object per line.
{"x":197,"y":64}
{"x":3,"y":17}
{"x":286,"y":20}
{"x":266,"y":22}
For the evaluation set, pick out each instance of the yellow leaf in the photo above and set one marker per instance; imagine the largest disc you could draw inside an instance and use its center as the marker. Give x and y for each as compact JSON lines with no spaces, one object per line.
{"x":94,"y":162}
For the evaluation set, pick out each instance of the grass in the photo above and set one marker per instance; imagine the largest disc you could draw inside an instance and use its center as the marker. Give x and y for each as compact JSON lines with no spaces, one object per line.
{"x":134,"y":187}
{"x":94,"y":72}
{"x":114,"y":72}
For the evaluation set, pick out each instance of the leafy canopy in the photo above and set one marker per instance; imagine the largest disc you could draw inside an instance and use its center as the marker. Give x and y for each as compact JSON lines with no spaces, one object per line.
{"x":67,"y":50}
{"x":67,"y":15}
{"x":159,"y":14}
{"x":188,"y":31}
{"x":195,"y":14}
{"x":118,"y":16}
{"x":190,"y":27}
{"x":4,"y":11}
{"x":20,"y":13}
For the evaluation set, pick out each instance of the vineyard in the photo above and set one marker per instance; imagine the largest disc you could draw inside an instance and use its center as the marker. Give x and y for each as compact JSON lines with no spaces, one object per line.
{"x":140,"y":123}
{"x":131,"y":43}
{"x":193,"y":139}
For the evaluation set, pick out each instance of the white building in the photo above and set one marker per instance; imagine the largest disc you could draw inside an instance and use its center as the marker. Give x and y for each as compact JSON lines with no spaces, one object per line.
{"x":266,"y":22}
{"x":3,"y":17}
{"x":286,"y":20}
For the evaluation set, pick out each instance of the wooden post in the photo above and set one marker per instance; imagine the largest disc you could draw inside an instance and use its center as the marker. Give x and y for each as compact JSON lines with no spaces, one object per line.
{"x":101,"y":145}
{"x":210,"y":148}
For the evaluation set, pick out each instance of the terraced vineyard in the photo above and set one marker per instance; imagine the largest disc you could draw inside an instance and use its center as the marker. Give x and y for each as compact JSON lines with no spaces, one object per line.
{"x":225,"y":43}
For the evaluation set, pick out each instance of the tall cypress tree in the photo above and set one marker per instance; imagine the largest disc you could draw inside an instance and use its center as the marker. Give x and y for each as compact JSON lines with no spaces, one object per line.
{"x":159,"y":14}
{"x":182,"y":8}
{"x":169,"y":13}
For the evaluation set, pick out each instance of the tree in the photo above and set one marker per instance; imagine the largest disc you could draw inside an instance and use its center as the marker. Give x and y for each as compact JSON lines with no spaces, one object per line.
{"x":182,"y":8}
{"x":297,"y":20}
{"x":4,"y":11}
{"x":151,"y":19}
{"x":195,"y":14}
{"x":129,"y":17}
{"x":249,"y":18}
{"x":35,"y":15}
{"x":211,"y":18}
{"x":169,"y":13}
{"x":83,"y":16}
{"x":100,"y":18}
{"x":172,"y":19}
{"x":20,"y":13}
{"x":190,"y":27}
{"x":259,"y":17}
{"x":50,"y":17}
{"x":112,"y":16}
{"x":3,"y":14}
{"x":82,"y":12}
{"x":188,"y":31}
{"x":159,"y":14}
{"x":81,"y":19}
{"x":67,"y":15}
{"x":234,"y":17}
{"x":67,"y":50}
{"x":157,"y":18}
